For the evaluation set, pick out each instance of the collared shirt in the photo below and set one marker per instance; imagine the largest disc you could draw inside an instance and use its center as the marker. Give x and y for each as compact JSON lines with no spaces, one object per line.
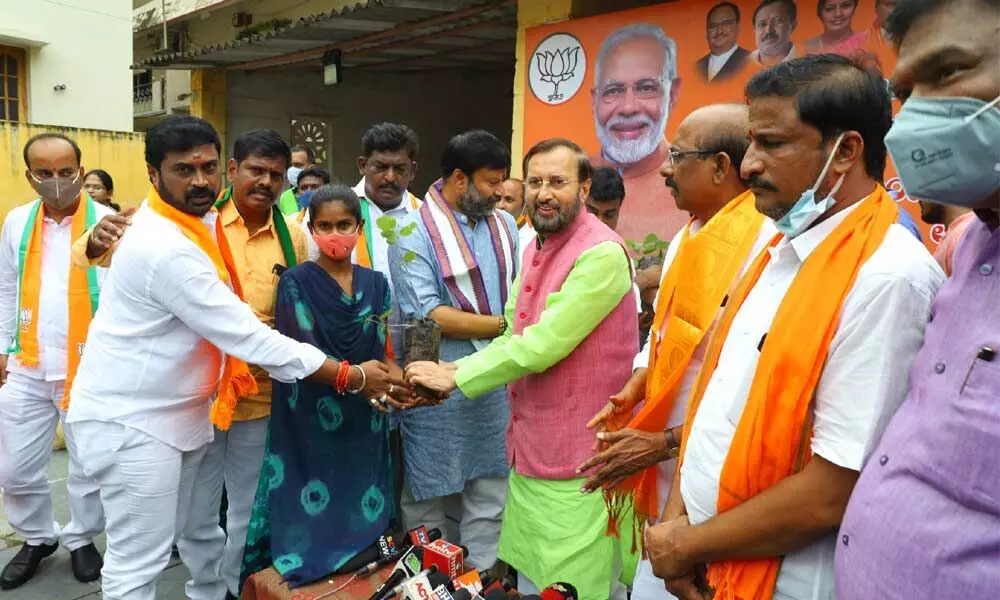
{"x":53,"y":310}
{"x":716,"y":62}
{"x":863,"y":382}
{"x":149,"y":363}
{"x":946,"y":249}
{"x":440,"y":449}
{"x":924,"y":518}
{"x":255,"y":257}
{"x":793,"y":52}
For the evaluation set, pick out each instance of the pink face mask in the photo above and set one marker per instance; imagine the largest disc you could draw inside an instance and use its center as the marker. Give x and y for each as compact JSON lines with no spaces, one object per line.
{"x":337,"y":246}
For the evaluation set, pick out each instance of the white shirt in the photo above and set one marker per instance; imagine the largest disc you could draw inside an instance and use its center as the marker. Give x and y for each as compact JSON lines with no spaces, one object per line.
{"x":715,"y":63}
{"x":53,"y":307}
{"x":863,"y":382}
{"x":149,"y":362}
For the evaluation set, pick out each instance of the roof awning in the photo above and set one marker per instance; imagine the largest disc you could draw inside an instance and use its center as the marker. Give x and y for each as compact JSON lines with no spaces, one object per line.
{"x":392,"y":34}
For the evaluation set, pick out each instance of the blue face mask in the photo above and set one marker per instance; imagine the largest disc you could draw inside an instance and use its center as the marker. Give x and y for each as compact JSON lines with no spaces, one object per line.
{"x":947,"y":150}
{"x":808,"y":209}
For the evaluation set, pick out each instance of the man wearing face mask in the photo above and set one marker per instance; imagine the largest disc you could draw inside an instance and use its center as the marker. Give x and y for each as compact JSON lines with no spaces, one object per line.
{"x":570,"y":345}
{"x":45,"y":312}
{"x":463,"y":258}
{"x":168,"y":356}
{"x":810,"y":356}
{"x":924,"y":519}
{"x":264,"y":243}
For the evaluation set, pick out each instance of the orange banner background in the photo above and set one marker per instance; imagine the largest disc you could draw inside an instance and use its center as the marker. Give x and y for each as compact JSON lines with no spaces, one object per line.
{"x":685,"y":22}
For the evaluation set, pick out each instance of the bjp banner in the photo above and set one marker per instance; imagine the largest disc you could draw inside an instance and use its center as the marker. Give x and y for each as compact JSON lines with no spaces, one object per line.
{"x":619,"y":83}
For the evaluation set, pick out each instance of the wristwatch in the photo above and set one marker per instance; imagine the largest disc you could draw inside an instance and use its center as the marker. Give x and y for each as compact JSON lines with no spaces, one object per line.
{"x":503,"y":325}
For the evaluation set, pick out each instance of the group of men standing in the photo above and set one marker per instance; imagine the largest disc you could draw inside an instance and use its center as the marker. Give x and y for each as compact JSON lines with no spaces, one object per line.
{"x":795,"y":323}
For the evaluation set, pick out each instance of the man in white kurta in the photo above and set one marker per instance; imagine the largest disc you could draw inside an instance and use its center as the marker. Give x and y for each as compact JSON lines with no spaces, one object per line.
{"x":703,"y":171}
{"x":140,"y":405}
{"x":31,"y":396}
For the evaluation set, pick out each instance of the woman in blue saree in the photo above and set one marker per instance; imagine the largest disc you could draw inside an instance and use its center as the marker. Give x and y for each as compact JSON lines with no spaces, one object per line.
{"x":326,"y":487}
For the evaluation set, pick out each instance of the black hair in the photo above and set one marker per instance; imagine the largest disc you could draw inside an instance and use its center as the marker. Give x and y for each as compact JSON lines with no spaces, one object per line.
{"x":606,"y":185}
{"x":833,"y":94}
{"x":51,"y":135}
{"x":334,"y":192}
{"x":104,"y":176}
{"x":317,"y":172}
{"x":584,"y":171}
{"x":731,"y":142}
{"x":310,"y":155}
{"x":730,"y":5}
{"x":908,"y":12}
{"x":390,"y":137}
{"x":265,"y":143}
{"x":473,"y":150}
{"x":820,"y":3}
{"x":177,"y":133}
{"x":793,"y":11}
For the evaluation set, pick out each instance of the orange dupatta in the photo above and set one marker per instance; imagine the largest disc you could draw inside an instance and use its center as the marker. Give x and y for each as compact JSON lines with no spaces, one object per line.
{"x":772,"y":437}
{"x":237,"y":382}
{"x":703,"y":270}
{"x":82,"y":297}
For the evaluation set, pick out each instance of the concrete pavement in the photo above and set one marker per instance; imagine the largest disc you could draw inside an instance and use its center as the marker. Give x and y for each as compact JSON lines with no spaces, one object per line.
{"x":54,"y":579}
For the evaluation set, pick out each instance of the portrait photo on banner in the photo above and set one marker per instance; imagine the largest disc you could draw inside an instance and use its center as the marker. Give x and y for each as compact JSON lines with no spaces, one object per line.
{"x":636,"y":73}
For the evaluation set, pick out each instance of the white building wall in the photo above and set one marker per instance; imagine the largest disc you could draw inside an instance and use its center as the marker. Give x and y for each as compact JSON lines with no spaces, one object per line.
{"x":84,"y":45}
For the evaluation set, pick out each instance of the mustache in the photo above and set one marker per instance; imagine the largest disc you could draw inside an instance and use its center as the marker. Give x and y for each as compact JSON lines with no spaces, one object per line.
{"x":198,"y":192}
{"x":630,"y":120}
{"x":670,"y":183}
{"x":264,"y":191}
{"x":390,"y":186}
{"x":755,"y":182}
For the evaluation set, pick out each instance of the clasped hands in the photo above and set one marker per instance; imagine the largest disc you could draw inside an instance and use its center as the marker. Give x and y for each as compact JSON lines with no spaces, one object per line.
{"x":385,"y":389}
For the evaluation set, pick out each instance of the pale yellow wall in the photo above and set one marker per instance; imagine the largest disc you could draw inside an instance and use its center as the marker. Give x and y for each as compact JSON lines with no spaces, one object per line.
{"x":529,"y":14}
{"x":82,"y":44}
{"x":208,"y":100}
{"x":120,"y":154}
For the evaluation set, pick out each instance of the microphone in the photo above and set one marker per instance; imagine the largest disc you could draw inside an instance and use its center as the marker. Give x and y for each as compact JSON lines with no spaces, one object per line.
{"x":409,"y":565}
{"x":442,"y":593}
{"x":472,"y":581}
{"x":447,"y":557}
{"x":419,"y":536}
{"x":422,"y":586}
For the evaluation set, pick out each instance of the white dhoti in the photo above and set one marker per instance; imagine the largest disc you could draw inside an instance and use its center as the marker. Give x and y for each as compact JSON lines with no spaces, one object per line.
{"x":233,"y":457}
{"x":146,"y":488}
{"x":646,"y":585}
{"x":29,"y":415}
{"x":482,"y":503}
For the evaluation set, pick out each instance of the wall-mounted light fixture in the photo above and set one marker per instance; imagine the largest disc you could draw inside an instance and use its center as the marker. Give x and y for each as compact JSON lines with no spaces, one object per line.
{"x":332,"y":68}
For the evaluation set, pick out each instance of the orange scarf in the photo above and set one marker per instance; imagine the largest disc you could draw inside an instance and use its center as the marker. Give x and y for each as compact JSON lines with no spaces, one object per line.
{"x":772,"y":438}
{"x":237,"y":382}
{"x":703,"y":270}
{"x":82,"y":285}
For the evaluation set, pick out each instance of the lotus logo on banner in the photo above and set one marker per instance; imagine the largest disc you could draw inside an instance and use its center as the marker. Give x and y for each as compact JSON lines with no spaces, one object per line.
{"x":557,"y":68}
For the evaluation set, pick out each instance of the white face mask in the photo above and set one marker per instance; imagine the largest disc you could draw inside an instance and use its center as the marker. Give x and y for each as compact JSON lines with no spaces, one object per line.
{"x":808,"y":209}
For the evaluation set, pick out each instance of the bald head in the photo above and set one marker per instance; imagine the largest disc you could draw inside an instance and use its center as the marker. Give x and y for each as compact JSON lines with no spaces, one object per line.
{"x":707,"y":150}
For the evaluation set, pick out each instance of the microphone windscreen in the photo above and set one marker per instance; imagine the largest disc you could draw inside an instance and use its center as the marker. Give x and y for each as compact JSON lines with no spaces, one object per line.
{"x":559,"y":591}
{"x":437,"y":578}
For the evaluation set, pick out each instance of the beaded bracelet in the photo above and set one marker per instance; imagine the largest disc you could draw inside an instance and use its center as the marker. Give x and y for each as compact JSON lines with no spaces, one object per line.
{"x":343,"y":376}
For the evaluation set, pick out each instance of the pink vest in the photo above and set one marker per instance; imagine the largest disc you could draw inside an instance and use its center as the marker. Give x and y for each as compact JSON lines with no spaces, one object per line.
{"x":547,"y":436}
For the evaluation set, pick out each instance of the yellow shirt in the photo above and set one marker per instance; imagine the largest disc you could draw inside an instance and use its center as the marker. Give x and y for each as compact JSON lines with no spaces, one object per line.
{"x":255,"y":256}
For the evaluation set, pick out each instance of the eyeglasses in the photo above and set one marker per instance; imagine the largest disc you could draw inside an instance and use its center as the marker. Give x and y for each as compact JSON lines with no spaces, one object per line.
{"x":678,"y":155}
{"x":535,"y":184}
{"x":772,"y":23}
{"x":644,"y":89}
{"x":721,"y":25}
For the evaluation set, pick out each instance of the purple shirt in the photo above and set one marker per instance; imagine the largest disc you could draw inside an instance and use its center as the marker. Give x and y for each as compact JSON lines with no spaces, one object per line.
{"x":924,"y":519}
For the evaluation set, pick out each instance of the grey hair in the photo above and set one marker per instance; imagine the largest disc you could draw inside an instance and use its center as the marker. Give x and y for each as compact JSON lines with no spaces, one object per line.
{"x":634,"y":32}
